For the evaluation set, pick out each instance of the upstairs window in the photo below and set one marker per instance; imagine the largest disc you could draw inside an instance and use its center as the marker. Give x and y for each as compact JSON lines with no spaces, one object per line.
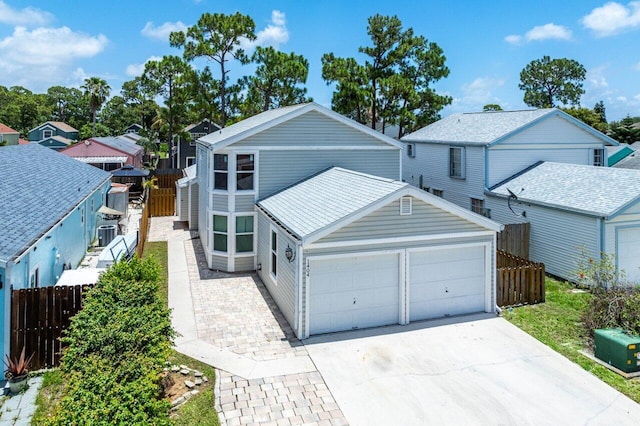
{"x":477,"y":206}
{"x":456,"y":162}
{"x":47,"y":133}
{"x":411,"y":150}
{"x":244,"y":172}
{"x":598,"y":157}
{"x":437,"y":192}
{"x":220,"y":171}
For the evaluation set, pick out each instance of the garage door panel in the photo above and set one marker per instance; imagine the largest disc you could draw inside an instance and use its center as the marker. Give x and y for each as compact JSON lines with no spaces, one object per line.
{"x":629,"y":252}
{"x":372,"y":281}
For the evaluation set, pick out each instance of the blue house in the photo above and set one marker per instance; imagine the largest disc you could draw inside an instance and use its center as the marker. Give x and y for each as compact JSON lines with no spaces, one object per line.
{"x":50,"y":204}
{"x":54,"y":135}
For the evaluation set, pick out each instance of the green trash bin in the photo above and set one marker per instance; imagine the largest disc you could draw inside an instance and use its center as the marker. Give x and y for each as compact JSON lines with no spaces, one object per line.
{"x":615,"y":347}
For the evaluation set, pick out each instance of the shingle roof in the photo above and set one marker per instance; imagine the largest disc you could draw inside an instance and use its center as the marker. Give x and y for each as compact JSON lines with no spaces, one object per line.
{"x":630,"y":162}
{"x":120,"y":143}
{"x":479,"y":128}
{"x":58,"y":138}
{"x":325,"y":198}
{"x":39,"y":186}
{"x":599,"y":191}
{"x":60,"y":125}
{"x":6,"y":129}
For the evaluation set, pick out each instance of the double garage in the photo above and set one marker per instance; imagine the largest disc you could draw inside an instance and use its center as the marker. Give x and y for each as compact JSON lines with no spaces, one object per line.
{"x":369,"y":289}
{"x":359,"y":251}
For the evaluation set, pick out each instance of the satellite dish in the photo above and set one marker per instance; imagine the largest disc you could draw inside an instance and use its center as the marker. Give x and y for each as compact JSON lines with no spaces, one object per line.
{"x":513,"y":196}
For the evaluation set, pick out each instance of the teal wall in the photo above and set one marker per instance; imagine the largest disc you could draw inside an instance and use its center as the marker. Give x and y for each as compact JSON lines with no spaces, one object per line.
{"x":38,"y":133}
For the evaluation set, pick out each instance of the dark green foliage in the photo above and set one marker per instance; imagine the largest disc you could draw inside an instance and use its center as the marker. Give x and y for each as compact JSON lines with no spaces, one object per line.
{"x":625,"y":131}
{"x":548,"y":81}
{"x":118,"y":345}
{"x":589,"y":117}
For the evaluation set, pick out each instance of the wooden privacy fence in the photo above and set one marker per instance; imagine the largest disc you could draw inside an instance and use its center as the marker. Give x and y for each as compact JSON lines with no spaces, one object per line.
{"x":167,"y":178}
{"x":514,"y":239}
{"x":143,"y":230}
{"x":38,"y":318}
{"x":162,"y":202}
{"x":519,"y":281}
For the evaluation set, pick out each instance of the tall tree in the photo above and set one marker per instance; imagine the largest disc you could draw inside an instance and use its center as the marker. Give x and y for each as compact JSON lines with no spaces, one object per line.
{"x":548,"y":81}
{"x":599,"y":109}
{"x":69,"y":105}
{"x":491,"y":107}
{"x":217,"y":37}
{"x":204,"y":90}
{"x":393,"y":86}
{"x":168,"y":78}
{"x":117,"y":115}
{"x":589,"y":117}
{"x":97,"y":90}
{"x":140,"y":97}
{"x":276,"y":81}
{"x":625,"y":131}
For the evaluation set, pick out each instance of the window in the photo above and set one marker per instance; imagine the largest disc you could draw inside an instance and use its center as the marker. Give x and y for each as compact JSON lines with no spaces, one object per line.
{"x":220,"y":171}
{"x":47,"y":133}
{"x":411,"y":150}
{"x":456,"y":162}
{"x":437,"y":192}
{"x":244,"y":175}
{"x":191,"y":161}
{"x":244,"y":234}
{"x":477,"y":206}
{"x":598,"y":157}
{"x":220,"y":233}
{"x":274,"y":254}
{"x":405,"y":206}
{"x":34,"y":279}
{"x":92,"y":205}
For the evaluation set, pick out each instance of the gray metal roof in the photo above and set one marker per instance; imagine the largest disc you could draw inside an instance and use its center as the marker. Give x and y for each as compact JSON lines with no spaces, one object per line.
{"x":629,"y":162}
{"x":38,"y":187}
{"x":479,"y":128}
{"x":120,"y":143}
{"x":325,"y":198}
{"x":599,"y":191}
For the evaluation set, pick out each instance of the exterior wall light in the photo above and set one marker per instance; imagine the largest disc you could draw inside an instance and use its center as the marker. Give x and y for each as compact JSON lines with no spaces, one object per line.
{"x":290,"y":254}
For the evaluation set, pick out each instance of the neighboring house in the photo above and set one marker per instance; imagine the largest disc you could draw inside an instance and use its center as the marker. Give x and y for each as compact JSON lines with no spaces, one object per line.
{"x":631,"y":161}
{"x":56,"y":142}
{"x":8,"y":136}
{"x":187,"y":197}
{"x":186,"y":149}
{"x":618,"y":153}
{"x":50,"y":204}
{"x":48,"y":130}
{"x":261,"y":155}
{"x":460,"y":156}
{"x":107,"y":153}
{"x":344,"y":250}
{"x":571,"y":207}
{"x":134,"y":129}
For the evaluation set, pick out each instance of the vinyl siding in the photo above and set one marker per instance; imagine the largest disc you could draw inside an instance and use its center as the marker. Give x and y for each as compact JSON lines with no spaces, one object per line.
{"x":194,"y":205}
{"x":245,"y":203}
{"x":220,"y":203}
{"x":554,"y":130}
{"x":431,"y":161}
{"x":244,"y":264}
{"x":218,"y":263}
{"x":182,"y":200}
{"x":202,"y":175}
{"x":388,"y":223}
{"x":311,"y":129}
{"x":556,"y":236}
{"x":284,"y":292}
{"x":280,"y":169}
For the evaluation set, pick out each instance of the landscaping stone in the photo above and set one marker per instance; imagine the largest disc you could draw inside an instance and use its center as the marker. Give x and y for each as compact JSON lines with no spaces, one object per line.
{"x":189,"y":384}
{"x":175,"y":368}
{"x":204,"y":379}
{"x":198,"y":381}
{"x":183,"y":367}
{"x":198,"y":374}
{"x":184,"y":371}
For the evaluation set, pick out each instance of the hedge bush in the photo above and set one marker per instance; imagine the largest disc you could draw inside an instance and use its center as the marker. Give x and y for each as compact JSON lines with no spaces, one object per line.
{"x":117,"y":347}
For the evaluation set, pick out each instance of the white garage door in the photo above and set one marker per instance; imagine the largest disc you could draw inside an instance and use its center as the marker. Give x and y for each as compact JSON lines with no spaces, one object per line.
{"x":447,"y":281}
{"x":629,"y":252}
{"x":353,"y":292}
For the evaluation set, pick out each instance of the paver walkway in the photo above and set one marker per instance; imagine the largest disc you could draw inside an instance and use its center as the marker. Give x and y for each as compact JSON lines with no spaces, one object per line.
{"x":17,"y":410}
{"x":267,"y":377}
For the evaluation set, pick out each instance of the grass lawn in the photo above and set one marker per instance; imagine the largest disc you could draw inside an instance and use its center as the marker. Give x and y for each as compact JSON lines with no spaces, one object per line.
{"x":198,"y":410}
{"x":557,"y":324}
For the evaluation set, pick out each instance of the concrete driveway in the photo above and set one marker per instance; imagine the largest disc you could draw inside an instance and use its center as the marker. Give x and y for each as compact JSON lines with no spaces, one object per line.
{"x":476,"y":370}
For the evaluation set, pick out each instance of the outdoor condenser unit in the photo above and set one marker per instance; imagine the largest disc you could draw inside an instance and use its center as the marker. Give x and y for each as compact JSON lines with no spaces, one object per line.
{"x":618,"y":349}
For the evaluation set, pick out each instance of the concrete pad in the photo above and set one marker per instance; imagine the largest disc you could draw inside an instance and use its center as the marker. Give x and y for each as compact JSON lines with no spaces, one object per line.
{"x":182,"y":316}
{"x":470,"y":370}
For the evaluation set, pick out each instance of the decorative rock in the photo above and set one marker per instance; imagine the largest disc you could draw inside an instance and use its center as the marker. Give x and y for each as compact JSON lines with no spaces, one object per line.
{"x":184,"y":367}
{"x":189,"y":384}
{"x":178,"y":401}
{"x":195,"y":392}
{"x":204,"y":379}
{"x":184,"y":371}
{"x":198,"y":381}
{"x":175,"y":368}
{"x":198,"y":374}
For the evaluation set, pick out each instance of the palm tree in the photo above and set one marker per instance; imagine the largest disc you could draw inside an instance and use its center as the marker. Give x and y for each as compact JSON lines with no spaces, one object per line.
{"x":98,"y":91}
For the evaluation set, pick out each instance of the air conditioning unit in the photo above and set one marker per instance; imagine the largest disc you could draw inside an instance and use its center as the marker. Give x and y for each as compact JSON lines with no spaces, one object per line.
{"x":106,"y":234}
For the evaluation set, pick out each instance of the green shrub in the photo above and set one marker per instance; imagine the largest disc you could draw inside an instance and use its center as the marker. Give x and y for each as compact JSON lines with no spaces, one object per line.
{"x":117,"y":347}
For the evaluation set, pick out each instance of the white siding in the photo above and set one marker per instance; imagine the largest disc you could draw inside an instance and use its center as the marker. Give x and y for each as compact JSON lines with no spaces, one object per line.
{"x":182,"y":201}
{"x":284,"y":291}
{"x":557,"y":236}
{"x":202,"y":175}
{"x":387,"y":223}
{"x":431,"y":161}
{"x":220,"y":203}
{"x":244,"y":264}
{"x":554,"y":130}
{"x":311,"y":129}
{"x":218,"y":263}
{"x":279,"y":169}
{"x":193,"y":206}
{"x":245,"y":203}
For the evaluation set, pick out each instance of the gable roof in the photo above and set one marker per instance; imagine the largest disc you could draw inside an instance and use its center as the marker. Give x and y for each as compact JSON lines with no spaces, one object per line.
{"x":57,"y":124}
{"x":120,"y":143}
{"x":489,"y":128}
{"x":332,"y":197}
{"x":212,"y":126}
{"x":617,"y":153}
{"x":591,"y":190}
{"x":265,"y":120}
{"x":35,"y":200}
{"x":61,"y":139}
{"x":6,"y":129}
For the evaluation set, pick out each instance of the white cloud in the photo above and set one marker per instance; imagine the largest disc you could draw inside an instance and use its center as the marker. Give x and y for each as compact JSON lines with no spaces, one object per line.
{"x":44,"y":56}
{"x":612,"y":18}
{"x":621,"y":98}
{"x":480,"y":91}
{"x":161,"y":32}
{"x":274,"y":34}
{"x":135,"y":70}
{"x":28,"y":16}
{"x":549,"y":31}
{"x":596,"y":77}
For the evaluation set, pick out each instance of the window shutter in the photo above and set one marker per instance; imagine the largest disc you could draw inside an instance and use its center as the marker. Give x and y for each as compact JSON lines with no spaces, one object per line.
{"x":405,"y":206}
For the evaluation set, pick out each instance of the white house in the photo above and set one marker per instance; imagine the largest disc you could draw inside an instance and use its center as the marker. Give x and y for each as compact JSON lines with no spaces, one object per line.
{"x":344,"y":250}
{"x":461,"y":156}
{"x":571,"y":207}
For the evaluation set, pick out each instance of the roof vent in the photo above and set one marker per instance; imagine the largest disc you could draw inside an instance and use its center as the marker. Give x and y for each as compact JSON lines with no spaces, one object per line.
{"x":405,"y":206}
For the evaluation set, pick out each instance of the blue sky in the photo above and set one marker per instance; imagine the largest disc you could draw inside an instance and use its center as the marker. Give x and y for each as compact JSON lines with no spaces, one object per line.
{"x":487,"y":43}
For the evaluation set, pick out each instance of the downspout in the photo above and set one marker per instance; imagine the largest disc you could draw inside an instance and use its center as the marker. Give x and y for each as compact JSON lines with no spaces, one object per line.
{"x":300,"y":280}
